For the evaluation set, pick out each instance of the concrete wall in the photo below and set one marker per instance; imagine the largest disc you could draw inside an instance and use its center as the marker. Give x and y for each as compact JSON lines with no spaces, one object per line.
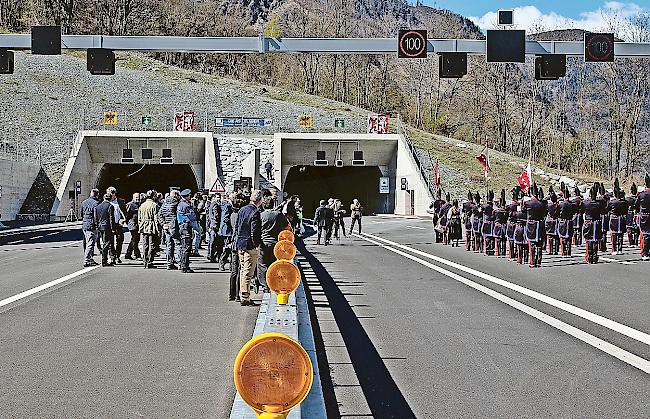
{"x":16,"y":179}
{"x":251,"y":167}
{"x":232,"y":150}
{"x":407,"y":168}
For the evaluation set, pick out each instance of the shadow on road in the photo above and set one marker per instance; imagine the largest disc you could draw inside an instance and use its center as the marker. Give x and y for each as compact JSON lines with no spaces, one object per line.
{"x":382,"y":394}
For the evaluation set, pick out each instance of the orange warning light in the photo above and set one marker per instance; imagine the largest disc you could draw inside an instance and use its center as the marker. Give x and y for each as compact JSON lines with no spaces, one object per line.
{"x":283,"y":277}
{"x":273,"y":374}
{"x":284,"y":250}
{"x":286,"y":235}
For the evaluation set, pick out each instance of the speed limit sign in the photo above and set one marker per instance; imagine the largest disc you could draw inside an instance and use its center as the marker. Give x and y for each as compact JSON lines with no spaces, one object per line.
{"x":599,"y":47}
{"x":412,"y":44}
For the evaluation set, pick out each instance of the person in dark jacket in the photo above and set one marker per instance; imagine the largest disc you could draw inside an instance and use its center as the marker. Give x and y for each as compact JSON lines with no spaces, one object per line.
{"x":89,"y":227}
{"x":273,"y":222}
{"x":617,"y":208}
{"x":187,"y":225}
{"x":131,"y":215}
{"x":324,"y":220}
{"x":249,"y":238}
{"x":592,"y":230}
{"x":535,"y":231}
{"x":212,"y":223}
{"x":642,"y":206}
{"x":169,"y":222}
{"x":238,"y":201}
{"x":225,"y":229}
{"x":105,"y":221}
{"x":566,"y":213}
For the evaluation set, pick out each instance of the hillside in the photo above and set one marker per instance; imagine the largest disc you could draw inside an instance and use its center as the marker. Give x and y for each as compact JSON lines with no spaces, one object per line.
{"x":62,"y":97}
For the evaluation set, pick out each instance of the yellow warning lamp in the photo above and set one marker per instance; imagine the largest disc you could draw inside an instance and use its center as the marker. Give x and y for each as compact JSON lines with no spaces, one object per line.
{"x":283,"y":277}
{"x":284,"y":250}
{"x":273,"y":374}
{"x":286,"y":235}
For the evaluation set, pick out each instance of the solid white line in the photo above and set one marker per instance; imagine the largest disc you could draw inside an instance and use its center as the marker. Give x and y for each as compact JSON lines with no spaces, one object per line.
{"x":615,"y":351}
{"x":416,"y":227}
{"x":40,"y":288}
{"x":603,"y":321}
{"x":622,"y":262}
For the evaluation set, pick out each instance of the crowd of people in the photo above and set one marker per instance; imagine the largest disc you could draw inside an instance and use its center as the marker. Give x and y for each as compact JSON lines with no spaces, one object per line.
{"x":522,"y":227}
{"x":329,"y":218}
{"x":240,"y":229}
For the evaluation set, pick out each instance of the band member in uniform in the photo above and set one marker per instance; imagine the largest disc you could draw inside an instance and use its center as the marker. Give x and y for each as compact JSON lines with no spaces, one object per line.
{"x":578,"y":217}
{"x":617,"y":208}
{"x":592,"y":229}
{"x":487,"y":230}
{"x":604,"y":216}
{"x":468,"y":209}
{"x":550,"y":224}
{"x":477,"y":224}
{"x":642,"y":207}
{"x":443,"y":221}
{"x":500,"y":224}
{"x":454,"y":225}
{"x":535,"y":232}
{"x":520,"y":232}
{"x":631,"y":219}
{"x":512,"y":223}
{"x":566,"y":213}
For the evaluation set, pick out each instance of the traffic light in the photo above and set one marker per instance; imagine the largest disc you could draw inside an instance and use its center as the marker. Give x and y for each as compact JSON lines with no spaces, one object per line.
{"x":550,"y":66}
{"x":6,"y":61}
{"x":100,"y":61}
{"x":452,"y":65}
{"x":46,"y":40}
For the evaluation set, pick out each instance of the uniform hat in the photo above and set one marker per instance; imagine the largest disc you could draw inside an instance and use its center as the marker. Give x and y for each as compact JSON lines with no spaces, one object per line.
{"x":515,"y":192}
{"x":448,"y":197}
{"x":647,"y":180}
{"x":470,"y":197}
{"x":634,"y":189}
{"x":490,"y":196}
{"x":503,"y":197}
{"x":186,"y":192}
{"x":594,"y":191}
{"x":576,"y":191}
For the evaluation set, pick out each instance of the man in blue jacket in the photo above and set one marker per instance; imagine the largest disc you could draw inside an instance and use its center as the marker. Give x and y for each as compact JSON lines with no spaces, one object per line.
{"x":89,"y":227}
{"x":186,"y":222}
{"x":105,"y":220}
{"x":249,"y":237}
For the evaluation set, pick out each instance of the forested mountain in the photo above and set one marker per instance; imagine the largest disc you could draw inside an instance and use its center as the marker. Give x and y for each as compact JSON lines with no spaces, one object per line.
{"x":596,"y":120}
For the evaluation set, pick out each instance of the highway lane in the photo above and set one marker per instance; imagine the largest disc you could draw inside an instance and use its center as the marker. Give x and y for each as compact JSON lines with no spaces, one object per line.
{"x":115,"y":342}
{"x":451,"y":350}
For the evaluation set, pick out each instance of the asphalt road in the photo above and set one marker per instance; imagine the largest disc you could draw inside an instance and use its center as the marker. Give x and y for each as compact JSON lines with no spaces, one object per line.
{"x":113,"y":342}
{"x":407,"y":334}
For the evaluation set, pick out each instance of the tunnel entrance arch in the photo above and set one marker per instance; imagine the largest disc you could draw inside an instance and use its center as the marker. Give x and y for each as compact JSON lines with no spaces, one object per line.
{"x":131,"y":178}
{"x":313,"y":183}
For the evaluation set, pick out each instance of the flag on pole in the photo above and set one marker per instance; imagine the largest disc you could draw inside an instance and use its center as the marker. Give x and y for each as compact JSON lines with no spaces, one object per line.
{"x":437,"y":174}
{"x":525,"y":179}
{"x":484,"y":159}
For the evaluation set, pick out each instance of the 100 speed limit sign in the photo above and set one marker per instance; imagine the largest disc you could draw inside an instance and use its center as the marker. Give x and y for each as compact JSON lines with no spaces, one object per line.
{"x":412,"y":44}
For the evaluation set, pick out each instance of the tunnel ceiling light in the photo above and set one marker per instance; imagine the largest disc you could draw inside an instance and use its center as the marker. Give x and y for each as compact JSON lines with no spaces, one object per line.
{"x":338,"y":163}
{"x":166,"y":156}
{"x":358,"y":158}
{"x":321,"y":159}
{"x":6,"y":61}
{"x":147,"y":154}
{"x":127,"y":155}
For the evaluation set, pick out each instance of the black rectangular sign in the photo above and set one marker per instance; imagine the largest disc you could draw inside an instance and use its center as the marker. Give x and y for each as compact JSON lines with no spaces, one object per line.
{"x":506,"y":46}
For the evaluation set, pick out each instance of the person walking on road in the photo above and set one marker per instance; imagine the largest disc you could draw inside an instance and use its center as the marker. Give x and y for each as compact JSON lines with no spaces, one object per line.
{"x":118,"y":228}
{"x":105,"y":221}
{"x":148,"y":226}
{"x":212,"y":223}
{"x":168,"y":220}
{"x":238,"y":202}
{"x":187,"y":222}
{"x":249,"y":238}
{"x":131,"y":216}
{"x":642,"y":207}
{"x":324,"y":220}
{"x":268,"y":167}
{"x":89,"y":227}
{"x":225,"y":229}
{"x":356,"y":211}
{"x":273,"y":222}
{"x":339,"y":221}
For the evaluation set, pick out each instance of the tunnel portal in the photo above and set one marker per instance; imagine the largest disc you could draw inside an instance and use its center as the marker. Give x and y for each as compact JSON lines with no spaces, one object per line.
{"x":131,"y":178}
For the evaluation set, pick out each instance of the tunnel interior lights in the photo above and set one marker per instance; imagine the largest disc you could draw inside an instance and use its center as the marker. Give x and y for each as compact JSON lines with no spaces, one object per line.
{"x":273,"y":374}
{"x":6,"y":61}
{"x":338,"y":163}
{"x":100,"y":61}
{"x":46,"y":40}
{"x":127,"y":155}
{"x":166,"y":156}
{"x":321,"y":159}
{"x":358,"y":158}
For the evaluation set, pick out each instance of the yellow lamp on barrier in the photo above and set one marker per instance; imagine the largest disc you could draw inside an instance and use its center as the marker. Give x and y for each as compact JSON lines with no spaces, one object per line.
{"x":283,"y":277}
{"x":284,"y":250}
{"x":273,"y":374}
{"x":286,"y":235}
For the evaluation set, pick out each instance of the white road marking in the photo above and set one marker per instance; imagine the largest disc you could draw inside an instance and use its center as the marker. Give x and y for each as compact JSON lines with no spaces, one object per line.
{"x":40,"y":288}
{"x":622,"y":262}
{"x":416,"y":227}
{"x":615,"y":351}
{"x":595,"y":318}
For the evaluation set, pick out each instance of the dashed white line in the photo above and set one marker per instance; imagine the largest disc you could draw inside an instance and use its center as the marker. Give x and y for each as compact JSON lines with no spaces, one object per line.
{"x":40,"y":288}
{"x":622,"y":262}
{"x":615,"y":351}
{"x":595,"y":318}
{"x":416,"y":227}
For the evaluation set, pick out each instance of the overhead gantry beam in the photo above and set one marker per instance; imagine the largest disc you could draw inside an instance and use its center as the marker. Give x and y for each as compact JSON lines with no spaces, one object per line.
{"x":242,"y":45}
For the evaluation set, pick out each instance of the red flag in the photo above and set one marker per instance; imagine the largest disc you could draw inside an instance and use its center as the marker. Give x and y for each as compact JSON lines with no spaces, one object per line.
{"x":483,"y":160}
{"x":437,"y":174}
{"x":525,"y":179}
